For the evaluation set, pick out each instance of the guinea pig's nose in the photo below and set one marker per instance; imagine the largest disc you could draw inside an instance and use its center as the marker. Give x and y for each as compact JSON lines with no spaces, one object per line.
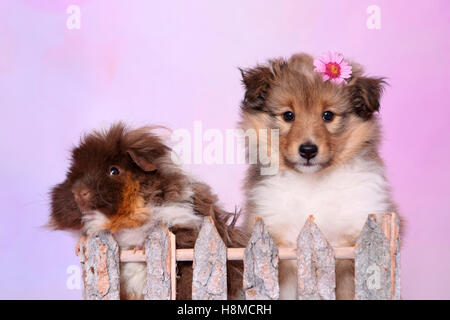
{"x":308,"y":150}
{"x":83,"y":194}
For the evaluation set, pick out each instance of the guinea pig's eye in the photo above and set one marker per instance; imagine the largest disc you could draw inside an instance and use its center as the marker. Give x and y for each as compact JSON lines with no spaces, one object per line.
{"x":113,"y":171}
{"x":327,"y":116}
{"x":288,"y":116}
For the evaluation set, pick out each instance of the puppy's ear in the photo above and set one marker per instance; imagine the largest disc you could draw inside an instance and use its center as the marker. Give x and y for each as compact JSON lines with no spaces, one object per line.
{"x":257,"y":82}
{"x":365,"y":94}
{"x":141,"y":161}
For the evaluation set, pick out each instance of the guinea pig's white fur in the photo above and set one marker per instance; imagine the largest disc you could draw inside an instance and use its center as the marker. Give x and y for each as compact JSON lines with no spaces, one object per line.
{"x":133,"y":274}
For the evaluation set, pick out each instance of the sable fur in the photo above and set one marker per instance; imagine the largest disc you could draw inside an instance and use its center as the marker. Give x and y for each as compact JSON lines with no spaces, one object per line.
{"x":347,"y":161}
{"x":149,"y":187}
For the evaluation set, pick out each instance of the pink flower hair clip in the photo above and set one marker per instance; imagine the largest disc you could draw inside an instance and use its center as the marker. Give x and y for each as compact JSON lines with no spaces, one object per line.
{"x":333,"y":67}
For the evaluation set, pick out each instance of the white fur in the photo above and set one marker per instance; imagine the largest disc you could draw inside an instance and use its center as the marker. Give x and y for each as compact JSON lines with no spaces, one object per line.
{"x":134,"y":237}
{"x":133,"y":275}
{"x":340,"y":201}
{"x":177,"y":214}
{"x":93,"y":222}
{"x":308,"y":169}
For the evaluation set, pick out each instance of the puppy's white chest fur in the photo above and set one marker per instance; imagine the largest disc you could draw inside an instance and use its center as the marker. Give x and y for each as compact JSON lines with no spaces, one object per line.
{"x":340,"y":201}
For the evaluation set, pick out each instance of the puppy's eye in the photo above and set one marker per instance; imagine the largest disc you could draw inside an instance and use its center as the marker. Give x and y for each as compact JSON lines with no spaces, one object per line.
{"x":288,"y":116}
{"x":113,"y":171}
{"x":328,"y":116}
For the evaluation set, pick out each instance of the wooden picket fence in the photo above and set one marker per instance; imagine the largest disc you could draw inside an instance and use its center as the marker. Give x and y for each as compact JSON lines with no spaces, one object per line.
{"x":376,"y":254}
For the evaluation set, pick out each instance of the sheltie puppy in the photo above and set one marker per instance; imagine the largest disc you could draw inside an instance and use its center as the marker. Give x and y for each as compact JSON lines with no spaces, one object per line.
{"x":329,"y":164}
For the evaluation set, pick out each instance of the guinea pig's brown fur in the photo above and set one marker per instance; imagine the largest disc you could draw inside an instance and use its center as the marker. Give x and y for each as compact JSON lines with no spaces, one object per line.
{"x":122,"y":180}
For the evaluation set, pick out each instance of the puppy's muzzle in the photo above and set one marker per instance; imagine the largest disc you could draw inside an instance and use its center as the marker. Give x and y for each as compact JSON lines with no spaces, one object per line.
{"x":308,"y":150}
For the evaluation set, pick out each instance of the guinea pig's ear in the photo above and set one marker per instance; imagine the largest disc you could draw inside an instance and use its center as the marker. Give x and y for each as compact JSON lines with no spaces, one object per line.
{"x":257,"y":82}
{"x":141,"y":162}
{"x":365,"y":94}
{"x":65,"y":213}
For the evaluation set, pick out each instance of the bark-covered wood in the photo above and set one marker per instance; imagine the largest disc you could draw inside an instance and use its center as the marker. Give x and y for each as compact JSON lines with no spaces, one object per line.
{"x":261,"y":265}
{"x":372,"y":263}
{"x":233,"y":254}
{"x":158,"y":251}
{"x":99,"y":258}
{"x":210,"y":264}
{"x":79,"y":251}
{"x":316,"y":264}
{"x":173,"y":266}
{"x":391,"y":230}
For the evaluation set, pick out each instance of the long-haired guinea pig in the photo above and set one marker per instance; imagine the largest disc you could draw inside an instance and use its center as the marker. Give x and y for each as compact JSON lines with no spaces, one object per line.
{"x":123,"y":180}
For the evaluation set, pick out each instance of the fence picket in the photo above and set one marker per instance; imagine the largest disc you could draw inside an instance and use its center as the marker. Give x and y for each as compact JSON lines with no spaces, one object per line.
{"x":158,"y":255}
{"x":261,"y":265}
{"x":390,"y":226}
{"x":315,"y":264}
{"x":376,"y":254}
{"x":372,"y":263}
{"x":210,"y":264}
{"x":99,"y":259}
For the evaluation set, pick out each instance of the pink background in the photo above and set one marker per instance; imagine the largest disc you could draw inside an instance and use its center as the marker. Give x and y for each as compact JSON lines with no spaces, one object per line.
{"x":175,"y":62}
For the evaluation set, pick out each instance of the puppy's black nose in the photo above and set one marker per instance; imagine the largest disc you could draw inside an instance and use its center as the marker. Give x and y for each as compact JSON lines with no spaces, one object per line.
{"x":308,"y":150}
